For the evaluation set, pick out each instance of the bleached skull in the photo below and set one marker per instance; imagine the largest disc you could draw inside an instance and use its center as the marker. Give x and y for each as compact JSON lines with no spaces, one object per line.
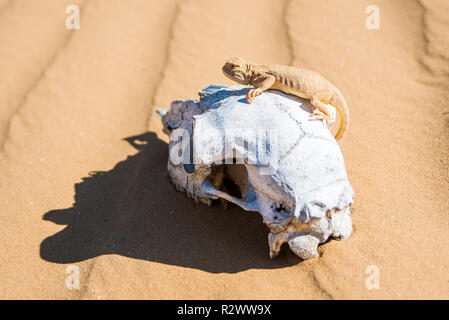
{"x":270,"y":156}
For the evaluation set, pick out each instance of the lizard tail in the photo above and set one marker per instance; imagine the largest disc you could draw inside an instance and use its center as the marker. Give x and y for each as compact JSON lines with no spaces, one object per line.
{"x":342,"y":108}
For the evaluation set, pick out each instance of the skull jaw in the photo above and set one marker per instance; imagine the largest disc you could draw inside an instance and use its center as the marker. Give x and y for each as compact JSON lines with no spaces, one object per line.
{"x":304,"y":238}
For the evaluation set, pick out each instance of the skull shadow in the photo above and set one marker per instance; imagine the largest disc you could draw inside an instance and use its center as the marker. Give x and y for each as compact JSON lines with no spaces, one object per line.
{"x":133,"y":210}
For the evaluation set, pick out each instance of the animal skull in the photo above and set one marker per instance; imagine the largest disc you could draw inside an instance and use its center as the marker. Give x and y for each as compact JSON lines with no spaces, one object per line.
{"x":270,"y":156}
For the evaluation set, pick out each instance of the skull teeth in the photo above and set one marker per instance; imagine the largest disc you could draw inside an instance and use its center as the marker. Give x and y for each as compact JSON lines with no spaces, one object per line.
{"x":197,"y":199}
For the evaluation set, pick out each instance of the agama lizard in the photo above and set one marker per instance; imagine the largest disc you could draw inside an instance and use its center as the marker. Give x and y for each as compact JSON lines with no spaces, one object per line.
{"x":303,"y":83}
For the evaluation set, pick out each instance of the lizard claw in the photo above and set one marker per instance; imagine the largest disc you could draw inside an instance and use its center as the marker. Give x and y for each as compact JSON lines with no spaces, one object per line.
{"x":318,"y":115}
{"x":252,"y":94}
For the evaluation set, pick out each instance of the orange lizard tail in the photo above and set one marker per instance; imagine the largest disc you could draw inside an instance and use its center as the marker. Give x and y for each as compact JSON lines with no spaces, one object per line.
{"x":342,"y":108}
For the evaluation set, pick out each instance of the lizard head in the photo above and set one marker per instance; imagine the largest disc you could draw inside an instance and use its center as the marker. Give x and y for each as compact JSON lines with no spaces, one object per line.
{"x":238,"y":70}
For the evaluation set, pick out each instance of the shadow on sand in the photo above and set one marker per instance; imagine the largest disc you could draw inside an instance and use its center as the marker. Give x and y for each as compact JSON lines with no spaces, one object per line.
{"x":133,"y":210}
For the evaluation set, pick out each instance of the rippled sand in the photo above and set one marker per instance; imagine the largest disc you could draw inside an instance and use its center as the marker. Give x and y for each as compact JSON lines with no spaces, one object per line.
{"x":83,"y":157}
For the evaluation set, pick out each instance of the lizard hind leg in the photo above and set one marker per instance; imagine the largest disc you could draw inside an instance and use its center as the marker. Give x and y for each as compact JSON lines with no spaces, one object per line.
{"x":319,"y":101}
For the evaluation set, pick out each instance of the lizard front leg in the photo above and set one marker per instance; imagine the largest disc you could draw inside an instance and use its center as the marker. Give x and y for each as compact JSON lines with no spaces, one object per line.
{"x":261,"y":83}
{"x":319,"y":100}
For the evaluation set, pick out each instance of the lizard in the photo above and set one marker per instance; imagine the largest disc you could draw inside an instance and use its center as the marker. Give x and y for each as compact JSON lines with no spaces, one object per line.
{"x":303,"y":83}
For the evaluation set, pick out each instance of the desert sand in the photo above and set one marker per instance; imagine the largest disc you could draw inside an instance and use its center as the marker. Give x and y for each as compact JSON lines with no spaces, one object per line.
{"x":83,"y":177}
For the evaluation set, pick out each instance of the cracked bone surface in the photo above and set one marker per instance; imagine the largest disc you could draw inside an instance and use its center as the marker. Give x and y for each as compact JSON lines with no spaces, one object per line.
{"x":270,"y":157}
